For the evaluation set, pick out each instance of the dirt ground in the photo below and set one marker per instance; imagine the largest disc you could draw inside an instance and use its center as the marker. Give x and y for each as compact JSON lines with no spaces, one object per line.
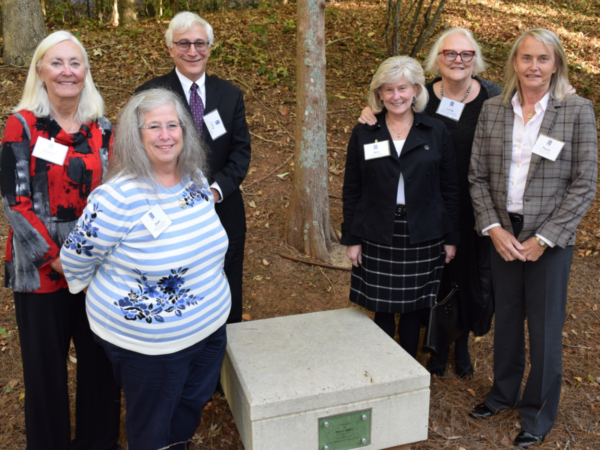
{"x":256,"y":51}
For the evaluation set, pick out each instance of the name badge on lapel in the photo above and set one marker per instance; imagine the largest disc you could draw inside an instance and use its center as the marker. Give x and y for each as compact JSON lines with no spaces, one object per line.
{"x":547,"y":147}
{"x":50,"y":151}
{"x":156,"y":221}
{"x":214,"y":124}
{"x":450,"y":109}
{"x":377,"y":150}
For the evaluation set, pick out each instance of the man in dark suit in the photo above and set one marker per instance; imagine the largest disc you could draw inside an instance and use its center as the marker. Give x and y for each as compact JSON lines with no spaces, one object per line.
{"x":218,"y":109}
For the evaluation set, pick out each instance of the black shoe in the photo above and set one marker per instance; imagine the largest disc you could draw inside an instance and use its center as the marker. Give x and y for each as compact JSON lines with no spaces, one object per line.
{"x":481,"y":411}
{"x":525,"y":439}
{"x":465,"y":373}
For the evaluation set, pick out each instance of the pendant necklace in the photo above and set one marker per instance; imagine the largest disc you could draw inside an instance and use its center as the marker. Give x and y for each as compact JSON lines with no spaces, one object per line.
{"x":394,"y":130}
{"x":181,"y":202}
{"x":466,"y":95}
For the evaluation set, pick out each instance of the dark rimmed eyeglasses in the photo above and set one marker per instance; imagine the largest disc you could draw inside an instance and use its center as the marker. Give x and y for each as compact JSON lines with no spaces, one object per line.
{"x":465,"y":56}
{"x":184,"y":46}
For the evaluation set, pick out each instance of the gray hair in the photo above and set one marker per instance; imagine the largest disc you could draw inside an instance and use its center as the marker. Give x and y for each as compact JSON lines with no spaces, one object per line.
{"x":430,"y":62}
{"x":185,"y":20}
{"x":391,"y":71}
{"x":35,"y":97}
{"x":129,"y":156}
{"x":559,"y":83}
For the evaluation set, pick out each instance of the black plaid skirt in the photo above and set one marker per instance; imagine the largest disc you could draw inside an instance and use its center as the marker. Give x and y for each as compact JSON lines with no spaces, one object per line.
{"x":397,"y":278}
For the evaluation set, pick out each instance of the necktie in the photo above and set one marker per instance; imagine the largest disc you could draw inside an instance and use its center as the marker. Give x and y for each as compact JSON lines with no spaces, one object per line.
{"x":197,"y":107}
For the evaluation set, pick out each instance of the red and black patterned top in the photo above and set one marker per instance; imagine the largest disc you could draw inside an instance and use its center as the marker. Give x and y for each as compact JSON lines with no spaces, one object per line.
{"x":42,"y":201}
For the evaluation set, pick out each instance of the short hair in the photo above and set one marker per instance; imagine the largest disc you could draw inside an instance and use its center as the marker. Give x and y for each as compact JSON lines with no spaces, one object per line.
{"x":185,"y":20}
{"x":129,"y":154}
{"x":430,"y":62}
{"x":391,"y":71}
{"x":35,"y":97}
{"x":559,"y":82}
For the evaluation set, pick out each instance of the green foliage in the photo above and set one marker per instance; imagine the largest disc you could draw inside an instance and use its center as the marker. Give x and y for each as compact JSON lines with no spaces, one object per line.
{"x":289,"y":26}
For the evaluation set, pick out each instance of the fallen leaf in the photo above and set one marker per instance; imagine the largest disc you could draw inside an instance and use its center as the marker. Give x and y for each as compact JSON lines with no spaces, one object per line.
{"x":370,"y":34}
{"x":266,"y":225}
{"x":8,"y":389}
{"x":573,"y":316}
{"x":579,"y":379}
{"x":341,"y":97}
{"x":265,"y":262}
{"x":251,"y":204}
{"x":13,"y":383}
{"x":246,"y":317}
{"x":591,"y":378}
{"x":73,"y":359}
{"x":477,"y":339}
{"x":595,"y":308}
{"x":471,"y":391}
{"x":97,"y":52}
{"x":3,"y":332}
{"x":506,"y":441}
{"x":283,"y":175}
{"x":257,"y":278}
{"x":21,"y":395}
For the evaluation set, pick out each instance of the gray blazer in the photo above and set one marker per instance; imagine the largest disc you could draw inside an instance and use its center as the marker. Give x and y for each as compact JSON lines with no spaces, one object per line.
{"x":557,"y":194}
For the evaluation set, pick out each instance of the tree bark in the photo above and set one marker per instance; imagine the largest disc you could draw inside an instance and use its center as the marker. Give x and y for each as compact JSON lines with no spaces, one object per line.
{"x":19,"y":15}
{"x":99,"y":7}
{"x":127,"y":14}
{"x":115,"y":14}
{"x":308,"y":225}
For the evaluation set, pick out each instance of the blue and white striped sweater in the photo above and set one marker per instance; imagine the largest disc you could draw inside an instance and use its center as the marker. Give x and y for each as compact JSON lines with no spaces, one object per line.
{"x":151,"y":296}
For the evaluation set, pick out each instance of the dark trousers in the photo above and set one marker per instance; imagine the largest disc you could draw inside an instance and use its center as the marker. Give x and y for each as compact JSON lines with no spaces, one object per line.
{"x":409,"y":328}
{"x":536,"y":291}
{"x":165,"y":394}
{"x":234,"y":269}
{"x":47,"y":322}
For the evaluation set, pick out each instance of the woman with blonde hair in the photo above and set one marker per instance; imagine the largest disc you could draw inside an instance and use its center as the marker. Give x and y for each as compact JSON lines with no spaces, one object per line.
{"x":54,"y":153}
{"x":400,"y":199}
{"x":529,"y":194}
{"x":456,"y":96}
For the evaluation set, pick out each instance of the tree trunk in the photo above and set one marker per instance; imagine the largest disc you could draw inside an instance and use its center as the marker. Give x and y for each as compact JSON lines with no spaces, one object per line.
{"x":174,"y":6}
{"x":308,"y":226}
{"x":99,"y":7}
{"x":115,"y":14}
{"x":127,"y":14}
{"x":19,"y":15}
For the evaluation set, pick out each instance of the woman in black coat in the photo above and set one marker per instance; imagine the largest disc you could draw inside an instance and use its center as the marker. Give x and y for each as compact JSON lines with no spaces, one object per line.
{"x":456,"y":58}
{"x":401,"y":202}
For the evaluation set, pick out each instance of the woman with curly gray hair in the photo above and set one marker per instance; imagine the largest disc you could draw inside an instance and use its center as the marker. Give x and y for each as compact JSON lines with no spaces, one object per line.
{"x":149,"y":249}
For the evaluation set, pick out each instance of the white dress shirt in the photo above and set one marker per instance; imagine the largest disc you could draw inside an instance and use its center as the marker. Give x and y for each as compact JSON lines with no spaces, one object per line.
{"x":524,"y":138}
{"x":186,"y":84}
{"x":400,"y":196}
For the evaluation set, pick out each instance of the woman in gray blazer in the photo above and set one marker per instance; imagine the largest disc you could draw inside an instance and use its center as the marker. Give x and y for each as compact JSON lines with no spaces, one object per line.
{"x":533,"y":177}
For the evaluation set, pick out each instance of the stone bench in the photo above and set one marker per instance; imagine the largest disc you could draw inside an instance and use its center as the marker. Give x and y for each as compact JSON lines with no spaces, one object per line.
{"x":288,"y":379}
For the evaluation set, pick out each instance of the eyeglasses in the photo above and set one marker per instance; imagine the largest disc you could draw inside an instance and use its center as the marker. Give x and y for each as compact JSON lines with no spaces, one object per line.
{"x":465,"y":56}
{"x":156,"y":129}
{"x":184,"y":46}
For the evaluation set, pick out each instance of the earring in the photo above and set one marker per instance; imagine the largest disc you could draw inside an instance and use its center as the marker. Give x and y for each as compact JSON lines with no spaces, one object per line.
{"x":381,"y":102}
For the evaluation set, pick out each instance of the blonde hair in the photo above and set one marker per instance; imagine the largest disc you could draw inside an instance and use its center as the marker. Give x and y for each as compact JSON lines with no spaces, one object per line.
{"x":430,"y":62}
{"x":559,"y":81}
{"x":391,"y":71}
{"x":129,"y":154}
{"x":185,"y":20}
{"x":35,"y":97}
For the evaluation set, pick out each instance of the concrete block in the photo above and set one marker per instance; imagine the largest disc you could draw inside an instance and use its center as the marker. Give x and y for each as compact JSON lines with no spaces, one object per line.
{"x":280,"y":376}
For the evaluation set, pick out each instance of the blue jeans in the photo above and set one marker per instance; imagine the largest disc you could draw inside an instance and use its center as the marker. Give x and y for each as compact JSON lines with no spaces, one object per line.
{"x":165,"y":394}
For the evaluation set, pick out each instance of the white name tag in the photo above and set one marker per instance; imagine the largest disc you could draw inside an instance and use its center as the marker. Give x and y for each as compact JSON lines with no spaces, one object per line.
{"x":547,"y":147}
{"x":156,"y":221}
{"x":50,"y":151}
{"x":451,"y":109}
{"x":377,"y":150}
{"x":214,"y":124}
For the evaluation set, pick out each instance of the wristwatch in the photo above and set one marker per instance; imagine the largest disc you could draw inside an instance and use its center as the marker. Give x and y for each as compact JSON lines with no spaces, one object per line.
{"x":541,"y":242}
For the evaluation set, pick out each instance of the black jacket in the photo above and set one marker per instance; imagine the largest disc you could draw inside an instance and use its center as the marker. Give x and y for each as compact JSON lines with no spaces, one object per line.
{"x":427,"y":163}
{"x":229,"y":155}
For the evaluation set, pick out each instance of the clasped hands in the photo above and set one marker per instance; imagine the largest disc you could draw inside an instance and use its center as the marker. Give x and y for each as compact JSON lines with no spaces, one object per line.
{"x":354,"y":253}
{"x":510,"y":249}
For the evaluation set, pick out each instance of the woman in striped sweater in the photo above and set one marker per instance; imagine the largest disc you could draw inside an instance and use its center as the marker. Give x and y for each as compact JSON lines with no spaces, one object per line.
{"x":149,"y":248}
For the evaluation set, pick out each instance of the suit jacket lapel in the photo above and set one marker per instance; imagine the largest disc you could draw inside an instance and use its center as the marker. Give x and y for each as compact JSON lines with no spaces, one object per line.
{"x":175,"y":85}
{"x":213,"y":96}
{"x":547,"y":123}
{"x":509,"y":120}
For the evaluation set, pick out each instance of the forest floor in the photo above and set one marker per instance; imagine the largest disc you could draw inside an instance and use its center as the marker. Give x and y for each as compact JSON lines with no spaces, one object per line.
{"x":256,"y":50}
